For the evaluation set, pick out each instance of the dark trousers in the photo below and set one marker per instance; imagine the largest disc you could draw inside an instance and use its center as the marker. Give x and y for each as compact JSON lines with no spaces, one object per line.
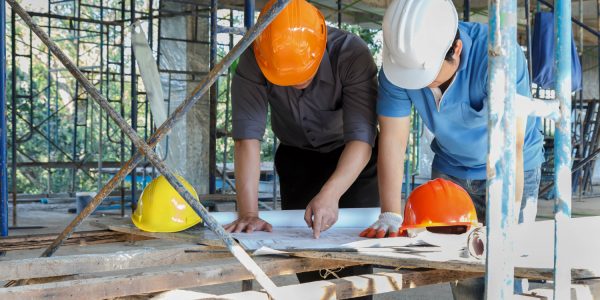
{"x":302,"y":174}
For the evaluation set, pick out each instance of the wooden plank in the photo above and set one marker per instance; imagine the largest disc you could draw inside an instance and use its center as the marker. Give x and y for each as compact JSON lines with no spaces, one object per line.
{"x":106,"y":262}
{"x":196,"y":234}
{"x":246,"y":285}
{"x":582,"y":290}
{"x":403,"y":261}
{"x":581,"y":270}
{"x":84,"y":237}
{"x":357,"y":286}
{"x":181,"y":295}
{"x":165,"y":278}
{"x":587,"y":289}
{"x":218,"y":197}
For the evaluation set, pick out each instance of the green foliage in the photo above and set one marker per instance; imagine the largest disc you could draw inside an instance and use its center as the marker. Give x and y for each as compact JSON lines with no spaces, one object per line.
{"x":367,"y":34}
{"x":50,"y":103}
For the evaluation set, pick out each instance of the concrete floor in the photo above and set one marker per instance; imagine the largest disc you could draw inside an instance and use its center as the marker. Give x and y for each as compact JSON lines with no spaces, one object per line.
{"x":54,"y":217}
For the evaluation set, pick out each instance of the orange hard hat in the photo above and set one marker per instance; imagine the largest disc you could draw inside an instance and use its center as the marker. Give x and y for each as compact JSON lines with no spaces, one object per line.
{"x":438,"y":203}
{"x":290,"y":49}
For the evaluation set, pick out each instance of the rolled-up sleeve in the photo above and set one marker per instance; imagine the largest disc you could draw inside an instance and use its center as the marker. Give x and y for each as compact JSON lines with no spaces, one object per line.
{"x":392,"y":101}
{"x":249,"y":102}
{"x":359,"y":92}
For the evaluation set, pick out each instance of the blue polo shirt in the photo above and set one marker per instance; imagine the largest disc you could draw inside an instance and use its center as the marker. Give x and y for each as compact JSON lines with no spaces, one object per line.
{"x":460,"y":122}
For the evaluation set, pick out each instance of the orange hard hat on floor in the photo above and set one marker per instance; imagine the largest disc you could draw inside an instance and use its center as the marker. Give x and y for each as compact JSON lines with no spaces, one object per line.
{"x":290,"y":49}
{"x":439,"y":203}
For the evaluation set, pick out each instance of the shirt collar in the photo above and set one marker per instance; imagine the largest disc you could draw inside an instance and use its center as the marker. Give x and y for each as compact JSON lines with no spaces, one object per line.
{"x":325,"y":73}
{"x":466,"y":49}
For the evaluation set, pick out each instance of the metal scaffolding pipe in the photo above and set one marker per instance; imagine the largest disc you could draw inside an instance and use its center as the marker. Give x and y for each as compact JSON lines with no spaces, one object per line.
{"x":500,"y":216}
{"x":3,"y":153}
{"x":213,"y":101}
{"x":134,"y":110}
{"x":249,"y":8}
{"x":528,"y":38}
{"x":562,"y":148}
{"x":236,"y":250}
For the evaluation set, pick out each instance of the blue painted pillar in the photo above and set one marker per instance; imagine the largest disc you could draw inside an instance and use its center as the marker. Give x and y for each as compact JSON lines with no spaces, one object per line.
{"x":562,"y":148}
{"x":249,"y":9}
{"x":3,"y":144}
{"x":502,"y":65}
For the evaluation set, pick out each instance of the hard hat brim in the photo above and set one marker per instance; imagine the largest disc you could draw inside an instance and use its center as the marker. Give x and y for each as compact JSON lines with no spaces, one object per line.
{"x":411,"y":79}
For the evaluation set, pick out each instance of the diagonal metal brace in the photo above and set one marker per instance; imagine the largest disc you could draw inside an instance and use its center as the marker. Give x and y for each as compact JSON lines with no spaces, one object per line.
{"x":145,"y":149}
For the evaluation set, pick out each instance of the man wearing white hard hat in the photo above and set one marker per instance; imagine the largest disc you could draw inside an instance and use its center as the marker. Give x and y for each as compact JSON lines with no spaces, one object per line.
{"x":440,"y":66}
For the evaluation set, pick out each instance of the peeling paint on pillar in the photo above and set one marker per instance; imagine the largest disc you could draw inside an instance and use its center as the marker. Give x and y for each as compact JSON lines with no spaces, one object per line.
{"x":502,"y":45}
{"x":562,"y":146}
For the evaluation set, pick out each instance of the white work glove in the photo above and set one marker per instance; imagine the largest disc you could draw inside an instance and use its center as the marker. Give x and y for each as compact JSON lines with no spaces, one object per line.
{"x":388,"y":224}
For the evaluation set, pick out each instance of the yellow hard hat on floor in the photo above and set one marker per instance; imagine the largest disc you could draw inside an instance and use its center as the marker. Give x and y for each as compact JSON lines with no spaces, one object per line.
{"x":162,"y":209}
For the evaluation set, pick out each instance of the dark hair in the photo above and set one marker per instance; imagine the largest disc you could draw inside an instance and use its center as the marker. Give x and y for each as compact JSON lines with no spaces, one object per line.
{"x":450,"y":52}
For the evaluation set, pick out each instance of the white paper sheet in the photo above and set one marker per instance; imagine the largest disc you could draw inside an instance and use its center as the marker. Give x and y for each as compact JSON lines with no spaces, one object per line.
{"x":347,"y":218}
{"x":292,"y":238}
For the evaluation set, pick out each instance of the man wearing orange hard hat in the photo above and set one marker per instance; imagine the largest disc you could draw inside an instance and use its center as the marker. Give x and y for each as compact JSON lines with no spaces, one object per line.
{"x":320,"y":84}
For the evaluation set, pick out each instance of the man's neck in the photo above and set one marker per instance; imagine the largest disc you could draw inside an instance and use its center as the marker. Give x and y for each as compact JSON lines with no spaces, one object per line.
{"x":446,"y":84}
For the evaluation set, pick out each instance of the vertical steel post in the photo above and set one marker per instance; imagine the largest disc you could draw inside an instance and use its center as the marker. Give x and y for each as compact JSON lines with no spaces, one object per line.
{"x":339,"y":13}
{"x":249,"y":8}
{"x":75,"y":154}
{"x":101,"y":87}
{"x":227,"y":102}
{"x":528,"y":37}
{"x":467,"y":11}
{"x":134,"y":113}
{"x":3,"y":153}
{"x":562,"y":148}
{"x":214,"y":98}
{"x":48,"y":96}
{"x":13,"y":115}
{"x":580,"y":113}
{"x":502,"y":65}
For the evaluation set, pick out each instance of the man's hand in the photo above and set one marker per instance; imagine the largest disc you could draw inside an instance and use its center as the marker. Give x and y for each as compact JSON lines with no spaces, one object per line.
{"x":321,"y":213}
{"x":388,"y":224}
{"x":248,"y":223}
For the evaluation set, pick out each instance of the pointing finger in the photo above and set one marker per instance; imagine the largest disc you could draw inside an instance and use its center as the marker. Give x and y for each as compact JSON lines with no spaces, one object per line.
{"x":308,"y":216}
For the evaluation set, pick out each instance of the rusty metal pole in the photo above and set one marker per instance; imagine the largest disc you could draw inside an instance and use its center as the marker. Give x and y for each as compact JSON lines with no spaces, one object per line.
{"x":235,"y":249}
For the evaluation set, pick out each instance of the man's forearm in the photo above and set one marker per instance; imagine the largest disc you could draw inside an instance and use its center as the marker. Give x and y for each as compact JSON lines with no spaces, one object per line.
{"x":519,"y":168}
{"x":390,"y":174}
{"x":519,"y":185}
{"x":353,"y":160}
{"x":247,"y":173}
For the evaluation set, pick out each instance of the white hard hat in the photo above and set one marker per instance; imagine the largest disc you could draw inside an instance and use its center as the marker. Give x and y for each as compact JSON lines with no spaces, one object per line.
{"x":417,"y":34}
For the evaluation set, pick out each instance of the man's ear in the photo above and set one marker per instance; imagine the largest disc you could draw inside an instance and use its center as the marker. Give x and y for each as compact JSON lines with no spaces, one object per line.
{"x":457,"y":49}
